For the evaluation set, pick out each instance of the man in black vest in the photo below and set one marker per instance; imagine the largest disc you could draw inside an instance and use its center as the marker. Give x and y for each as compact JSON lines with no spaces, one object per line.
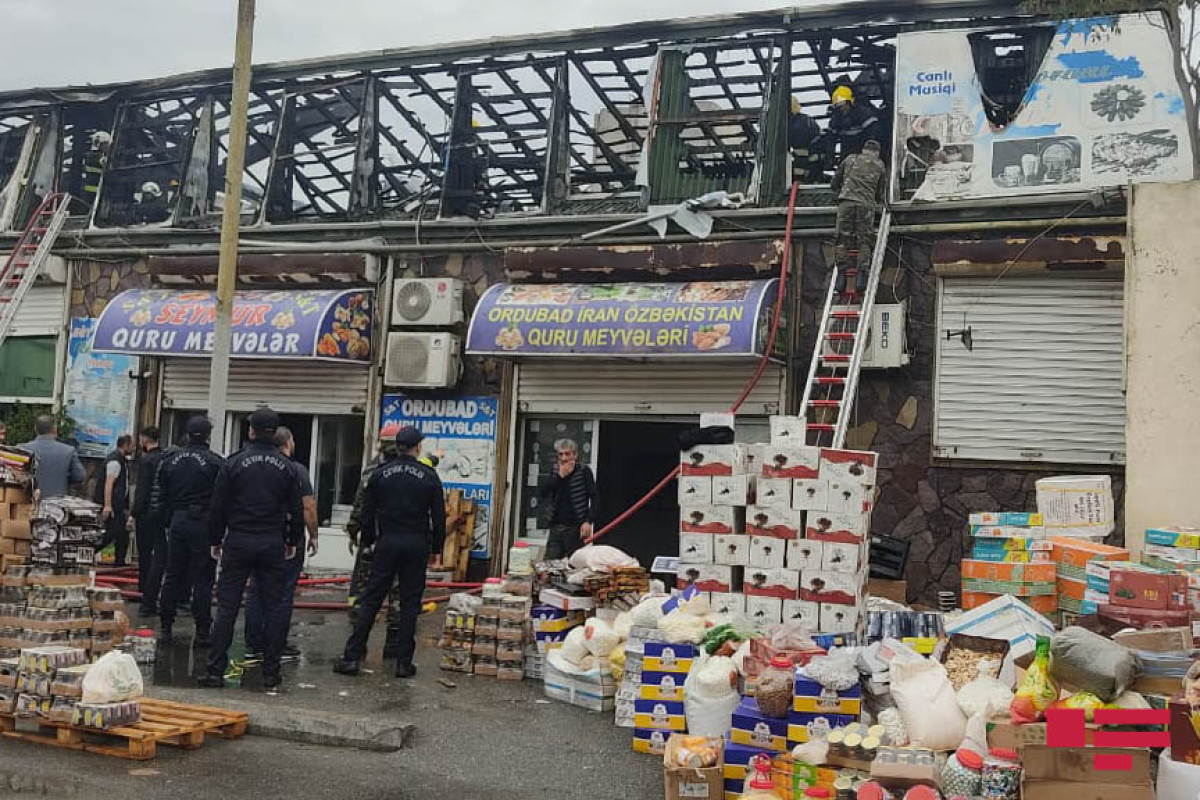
{"x":570,"y":492}
{"x":151,"y":539}
{"x":112,"y":492}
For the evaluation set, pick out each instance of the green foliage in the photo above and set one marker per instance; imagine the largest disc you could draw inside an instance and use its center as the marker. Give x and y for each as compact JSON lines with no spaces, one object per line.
{"x":1082,"y":9}
{"x":20,"y":419}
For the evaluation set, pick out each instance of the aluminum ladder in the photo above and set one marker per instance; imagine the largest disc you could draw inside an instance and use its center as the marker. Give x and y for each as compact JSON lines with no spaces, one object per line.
{"x":837,"y":356}
{"x":29,"y":256}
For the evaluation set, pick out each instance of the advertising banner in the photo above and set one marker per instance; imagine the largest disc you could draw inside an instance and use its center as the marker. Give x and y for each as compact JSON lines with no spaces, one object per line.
{"x":100,"y":392}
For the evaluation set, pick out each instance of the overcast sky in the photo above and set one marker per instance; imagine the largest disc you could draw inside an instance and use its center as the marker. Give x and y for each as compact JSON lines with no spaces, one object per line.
{"x":62,"y":42}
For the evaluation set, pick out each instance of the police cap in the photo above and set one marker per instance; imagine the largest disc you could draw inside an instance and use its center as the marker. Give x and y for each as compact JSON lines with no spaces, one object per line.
{"x":264,"y":420}
{"x":199,"y":427}
{"x":408,"y":437}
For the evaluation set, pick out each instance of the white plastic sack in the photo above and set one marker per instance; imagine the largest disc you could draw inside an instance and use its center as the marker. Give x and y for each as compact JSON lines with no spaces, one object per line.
{"x":981,"y":699}
{"x":679,"y":627}
{"x":601,"y":557}
{"x":709,"y":707}
{"x":739,"y":656}
{"x":715,"y":677}
{"x":574,"y":648}
{"x":927,"y":704}
{"x":647,"y":613}
{"x":112,"y":679}
{"x":599,"y":637}
{"x":1177,"y":780}
{"x":622,"y":624}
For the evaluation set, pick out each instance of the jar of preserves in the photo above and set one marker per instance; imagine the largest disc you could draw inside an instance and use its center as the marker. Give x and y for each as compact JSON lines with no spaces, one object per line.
{"x":963,"y":774}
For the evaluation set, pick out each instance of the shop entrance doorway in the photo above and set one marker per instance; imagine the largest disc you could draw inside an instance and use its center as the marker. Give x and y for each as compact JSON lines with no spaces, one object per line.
{"x":633,"y":457}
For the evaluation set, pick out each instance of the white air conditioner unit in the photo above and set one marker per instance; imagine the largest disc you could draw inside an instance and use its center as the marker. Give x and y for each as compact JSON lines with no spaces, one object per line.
{"x":421,"y":360}
{"x":427,"y":301}
{"x":887,"y":345}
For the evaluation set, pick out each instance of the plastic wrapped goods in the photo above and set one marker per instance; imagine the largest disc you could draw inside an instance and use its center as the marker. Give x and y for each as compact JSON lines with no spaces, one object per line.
{"x":927,"y":704}
{"x":774,"y":687}
{"x":1037,"y":690}
{"x":710,"y":696}
{"x":1091,"y":663}
{"x":599,"y":637}
{"x":680,"y":626}
{"x":574,"y":648}
{"x":647,"y":613}
{"x":112,"y":679}
{"x":601,"y":558}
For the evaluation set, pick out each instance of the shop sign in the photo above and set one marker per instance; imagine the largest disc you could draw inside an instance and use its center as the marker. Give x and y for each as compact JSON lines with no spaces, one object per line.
{"x":463,"y":429}
{"x":325,"y":324}
{"x":725,"y":318}
{"x":100,"y":392}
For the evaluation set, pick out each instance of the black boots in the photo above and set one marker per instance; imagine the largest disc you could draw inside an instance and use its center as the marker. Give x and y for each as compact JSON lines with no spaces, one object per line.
{"x":405,"y":669}
{"x":211,"y":682}
{"x":345,"y":667}
{"x":165,"y":636}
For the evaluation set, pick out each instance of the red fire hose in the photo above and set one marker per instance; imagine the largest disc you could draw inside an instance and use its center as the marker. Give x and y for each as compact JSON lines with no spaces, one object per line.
{"x":750,"y":384}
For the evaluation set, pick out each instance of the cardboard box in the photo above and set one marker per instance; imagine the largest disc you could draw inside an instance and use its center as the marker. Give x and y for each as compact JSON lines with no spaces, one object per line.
{"x":803,"y":612}
{"x":1004,"y":617}
{"x":650,"y":741}
{"x":849,"y":498}
{"x":711,"y":519}
{"x":779,"y":523}
{"x":847,"y":466}
{"x":838,"y":618}
{"x":730,"y":603}
{"x":763,"y":611}
{"x":773,"y":493}
{"x":731,"y":550}
{"x":754,"y":729}
{"x":731,"y":490}
{"x":15,"y":529}
{"x":667,"y":657}
{"x":841,"y":557}
{"x":1018,"y":573}
{"x":694,"y":783}
{"x":595,"y":691}
{"x":1185,"y":738}
{"x":23,"y":511}
{"x":713,"y":460}
{"x":802,"y":727}
{"x":1070,"y":589}
{"x":1015,"y":588}
{"x":805,"y":554}
{"x":1022,"y":519}
{"x":1052,"y":773}
{"x":1080,"y":552}
{"x":1011,"y":556}
{"x":1002,"y":732}
{"x":8,"y":546}
{"x":22,"y":547}
{"x":709,"y":577}
{"x":1171,"y":536}
{"x":844,"y":528}
{"x":566,"y":602}
{"x":781,"y":583}
{"x":810,"y":697}
{"x":1132,"y":589}
{"x":1145,"y":618}
{"x":839,"y":588}
{"x":659,"y":715}
{"x":661,"y":686}
{"x":1164,"y":640}
{"x":787,"y":431}
{"x":1076,"y":505}
{"x":695,"y":490}
{"x":15,"y":495}
{"x":896,"y":591}
{"x":787,"y":461}
{"x":696,"y":548}
{"x":767,"y":552}
{"x":810,"y":495}
{"x":1180,"y":554}
{"x":717,"y":419}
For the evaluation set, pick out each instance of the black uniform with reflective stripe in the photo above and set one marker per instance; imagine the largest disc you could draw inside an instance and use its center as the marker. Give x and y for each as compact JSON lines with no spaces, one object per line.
{"x":257,"y":494}
{"x":404,"y":498}
{"x":186,"y":479}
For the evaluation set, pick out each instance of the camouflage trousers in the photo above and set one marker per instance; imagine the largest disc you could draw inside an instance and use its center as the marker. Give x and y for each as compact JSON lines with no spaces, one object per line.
{"x":854,"y":244}
{"x":358,"y":582}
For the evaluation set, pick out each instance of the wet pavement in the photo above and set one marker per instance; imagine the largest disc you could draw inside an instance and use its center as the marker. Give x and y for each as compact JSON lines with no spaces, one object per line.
{"x":483,"y":738}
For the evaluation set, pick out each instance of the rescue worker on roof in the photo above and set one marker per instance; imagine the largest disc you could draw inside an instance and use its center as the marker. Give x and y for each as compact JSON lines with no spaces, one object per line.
{"x":256,"y":524}
{"x":94,"y":163}
{"x":184,"y":487}
{"x":852,"y":122}
{"x":404,"y":509}
{"x":150,"y":204}
{"x":859,"y":184}
{"x":805,"y":141}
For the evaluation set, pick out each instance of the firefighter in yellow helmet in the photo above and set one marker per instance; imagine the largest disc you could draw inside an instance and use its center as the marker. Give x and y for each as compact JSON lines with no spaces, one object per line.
{"x":853,"y":121}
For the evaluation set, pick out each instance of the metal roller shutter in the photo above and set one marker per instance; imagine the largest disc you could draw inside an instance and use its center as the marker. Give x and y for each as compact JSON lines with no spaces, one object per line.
{"x":40,"y":312}
{"x":597,"y":387}
{"x":293,"y":387}
{"x":1044,"y":380}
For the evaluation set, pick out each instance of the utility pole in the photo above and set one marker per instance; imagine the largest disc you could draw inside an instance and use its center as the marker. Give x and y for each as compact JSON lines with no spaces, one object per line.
{"x":231,"y":220}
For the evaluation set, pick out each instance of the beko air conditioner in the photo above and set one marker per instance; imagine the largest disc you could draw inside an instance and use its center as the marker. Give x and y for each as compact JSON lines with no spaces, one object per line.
{"x":886,"y":346}
{"x":427,"y":302}
{"x":421,"y":360}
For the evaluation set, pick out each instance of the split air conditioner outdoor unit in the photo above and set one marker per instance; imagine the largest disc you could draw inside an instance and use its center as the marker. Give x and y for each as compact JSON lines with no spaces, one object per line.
{"x":421,"y":360}
{"x":886,"y":346}
{"x":427,"y":302}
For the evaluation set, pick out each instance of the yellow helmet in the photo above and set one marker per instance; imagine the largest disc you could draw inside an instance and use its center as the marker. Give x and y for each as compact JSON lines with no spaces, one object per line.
{"x":796,"y":107}
{"x":842,"y":94}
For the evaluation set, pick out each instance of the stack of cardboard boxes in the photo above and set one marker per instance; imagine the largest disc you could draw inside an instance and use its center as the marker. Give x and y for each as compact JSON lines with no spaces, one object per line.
{"x":498,"y":645}
{"x":1032,"y":582}
{"x":658,"y":706}
{"x":1172,"y":548}
{"x":1007,"y":537}
{"x":16,"y":512}
{"x":1073,"y":559}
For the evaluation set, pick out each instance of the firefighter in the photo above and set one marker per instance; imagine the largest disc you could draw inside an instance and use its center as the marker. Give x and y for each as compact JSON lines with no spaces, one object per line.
{"x":852,"y":122}
{"x":150,"y":204}
{"x":94,"y":163}
{"x":403,"y":508}
{"x":805,"y":140}
{"x":255,"y":525}
{"x":183,"y":492}
{"x":859,"y":184}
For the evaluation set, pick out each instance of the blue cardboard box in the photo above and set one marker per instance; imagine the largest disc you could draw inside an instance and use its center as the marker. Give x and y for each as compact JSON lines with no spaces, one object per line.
{"x":803,"y":727}
{"x":753,"y":728}
{"x":662,"y":686}
{"x":659,"y":715}
{"x":650,"y":741}
{"x":737,"y":759}
{"x":810,"y":697}
{"x":665,"y":657}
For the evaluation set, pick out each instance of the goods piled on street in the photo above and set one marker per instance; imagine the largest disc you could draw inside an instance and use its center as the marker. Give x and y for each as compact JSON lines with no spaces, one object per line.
{"x":16,"y":505}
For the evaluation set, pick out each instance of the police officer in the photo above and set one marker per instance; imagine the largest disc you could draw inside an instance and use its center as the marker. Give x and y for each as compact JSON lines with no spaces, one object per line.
{"x":183,"y":493}
{"x":256,"y":524}
{"x":402,"y":505}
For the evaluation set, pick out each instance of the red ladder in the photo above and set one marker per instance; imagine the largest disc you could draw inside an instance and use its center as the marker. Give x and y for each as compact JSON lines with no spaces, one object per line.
{"x":29,"y":256}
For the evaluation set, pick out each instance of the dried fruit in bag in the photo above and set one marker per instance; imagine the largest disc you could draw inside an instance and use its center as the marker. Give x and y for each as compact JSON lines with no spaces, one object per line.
{"x":1037,"y":690}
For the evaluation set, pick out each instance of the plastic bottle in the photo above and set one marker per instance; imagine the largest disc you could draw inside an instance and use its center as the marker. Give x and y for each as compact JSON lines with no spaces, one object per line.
{"x":493,"y":587}
{"x":760,"y":786}
{"x":774,"y":687}
{"x":520,"y":559}
{"x":963,"y":773}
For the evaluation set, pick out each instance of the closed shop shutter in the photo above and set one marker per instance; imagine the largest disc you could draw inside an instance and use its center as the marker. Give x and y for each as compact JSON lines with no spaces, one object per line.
{"x":291,"y":387}
{"x":40,"y":312}
{"x":1043,"y":380}
{"x":598,"y":387}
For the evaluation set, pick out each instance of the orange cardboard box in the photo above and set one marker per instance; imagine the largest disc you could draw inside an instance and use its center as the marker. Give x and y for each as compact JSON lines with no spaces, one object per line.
{"x":15,"y":529}
{"x":1078,"y":552}
{"x":1043,"y":604}
{"x":1008,"y":571}
{"x":22,"y":546}
{"x":22,"y":511}
{"x":1073,"y":589}
{"x":13,"y":494}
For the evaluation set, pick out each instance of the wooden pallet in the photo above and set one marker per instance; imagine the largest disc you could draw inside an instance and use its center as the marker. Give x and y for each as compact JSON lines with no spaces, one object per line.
{"x":460,"y":531}
{"x":163,"y":722}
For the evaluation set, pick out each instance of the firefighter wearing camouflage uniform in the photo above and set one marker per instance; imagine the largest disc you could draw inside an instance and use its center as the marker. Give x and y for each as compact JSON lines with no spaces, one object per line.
{"x":860,"y":183}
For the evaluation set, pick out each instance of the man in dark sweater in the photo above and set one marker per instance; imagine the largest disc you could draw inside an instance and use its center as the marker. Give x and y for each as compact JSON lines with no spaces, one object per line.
{"x":151,"y":537}
{"x":571,"y":492}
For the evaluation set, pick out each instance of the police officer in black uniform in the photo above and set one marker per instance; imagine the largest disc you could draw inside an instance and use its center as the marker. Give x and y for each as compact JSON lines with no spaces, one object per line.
{"x":404,"y":509}
{"x":256,"y":523}
{"x":183,"y":493}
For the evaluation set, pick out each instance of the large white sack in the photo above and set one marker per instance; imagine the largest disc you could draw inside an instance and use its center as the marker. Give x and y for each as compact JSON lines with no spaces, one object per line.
{"x":599,"y":637}
{"x":927,"y":704}
{"x":574,"y":648}
{"x":709,"y":697}
{"x":601,"y":557}
{"x":622,"y":624}
{"x":647,"y":613}
{"x":113,"y":679}
{"x":680,"y":626}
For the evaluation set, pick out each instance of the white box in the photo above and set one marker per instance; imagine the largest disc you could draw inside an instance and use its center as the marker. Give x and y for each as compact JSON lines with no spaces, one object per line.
{"x":781,"y":583}
{"x":840,"y":557}
{"x":721,"y":419}
{"x":695,"y":490}
{"x":845,"y":528}
{"x":713,"y":459}
{"x":767,"y":552}
{"x":731,"y":549}
{"x":711,"y":519}
{"x":805,"y":554}
{"x":773,"y":493}
{"x":789,"y":461}
{"x":840,"y":588}
{"x":780,"y":523}
{"x":787,"y":431}
{"x":696,"y":548}
{"x":810,"y":494}
{"x":803,"y":613}
{"x":848,"y":498}
{"x":730,"y":490}
{"x":764,"y":610}
{"x":1006,"y":617}
{"x":848,"y":466}
{"x":709,"y":577}
{"x":838,"y":619}
{"x":727,"y":603}
{"x":1076,"y":505}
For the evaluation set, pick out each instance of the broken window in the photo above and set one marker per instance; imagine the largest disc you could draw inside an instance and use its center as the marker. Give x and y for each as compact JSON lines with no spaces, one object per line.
{"x":413,"y":116}
{"x":1006,"y":62}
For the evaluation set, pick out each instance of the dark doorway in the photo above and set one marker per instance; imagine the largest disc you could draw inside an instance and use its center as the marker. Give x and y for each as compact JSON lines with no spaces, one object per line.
{"x":634,"y":456}
{"x":299,"y":424}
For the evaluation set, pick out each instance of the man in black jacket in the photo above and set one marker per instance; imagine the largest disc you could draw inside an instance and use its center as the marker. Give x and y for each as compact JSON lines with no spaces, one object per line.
{"x":571,"y":492}
{"x":402,"y":505}
{"x":112,"y":492}
{"x":256,"y":523}
{"x":182,"y":495}
{"x":151,"y":539}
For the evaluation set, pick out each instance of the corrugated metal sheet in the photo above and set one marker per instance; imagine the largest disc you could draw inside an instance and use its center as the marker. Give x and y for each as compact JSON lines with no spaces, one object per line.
{"x":581,"y":386}
{"x":1043,"y":382}
{"x":40,"y":312}
{"x":294,"y":387}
